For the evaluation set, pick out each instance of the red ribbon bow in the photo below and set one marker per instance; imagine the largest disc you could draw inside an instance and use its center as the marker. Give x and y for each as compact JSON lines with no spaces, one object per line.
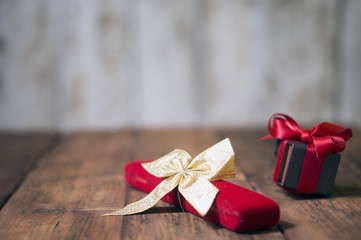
{"x":325,"y":137}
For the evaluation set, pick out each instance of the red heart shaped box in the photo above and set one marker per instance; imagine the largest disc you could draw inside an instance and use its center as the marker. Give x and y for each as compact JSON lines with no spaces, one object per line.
{"x":234,"y":207}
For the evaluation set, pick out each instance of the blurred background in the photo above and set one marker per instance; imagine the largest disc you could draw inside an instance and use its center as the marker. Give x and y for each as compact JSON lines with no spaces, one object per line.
{"x":107,"y":64}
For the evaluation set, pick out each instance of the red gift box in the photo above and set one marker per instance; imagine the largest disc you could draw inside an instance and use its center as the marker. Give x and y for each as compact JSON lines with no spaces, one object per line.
{"x":301,"y":171}
{"x":306,"y":159}
{"x":234,"y":207}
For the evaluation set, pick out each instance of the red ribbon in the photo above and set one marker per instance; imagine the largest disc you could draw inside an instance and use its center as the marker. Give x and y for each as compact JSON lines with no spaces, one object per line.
{"x":324,"y":138}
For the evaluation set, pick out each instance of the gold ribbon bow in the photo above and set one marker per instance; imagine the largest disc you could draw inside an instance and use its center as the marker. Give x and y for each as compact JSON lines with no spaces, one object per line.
{"x":192,"y":176}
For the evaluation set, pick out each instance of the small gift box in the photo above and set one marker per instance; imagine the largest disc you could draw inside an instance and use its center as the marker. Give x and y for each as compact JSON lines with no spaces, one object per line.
{"x":289,"y":172}
{"x":307,"y":161}
{"x":195,"y":185}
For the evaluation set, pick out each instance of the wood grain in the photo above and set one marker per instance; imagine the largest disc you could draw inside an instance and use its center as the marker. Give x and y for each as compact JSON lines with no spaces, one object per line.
{"x":82,"y":178}
{"x":65,"y":196}
{"x":18,"y":154}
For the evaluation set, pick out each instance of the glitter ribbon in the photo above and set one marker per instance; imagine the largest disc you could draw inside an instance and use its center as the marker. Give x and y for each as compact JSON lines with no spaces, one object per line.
{"x":192,"y":176}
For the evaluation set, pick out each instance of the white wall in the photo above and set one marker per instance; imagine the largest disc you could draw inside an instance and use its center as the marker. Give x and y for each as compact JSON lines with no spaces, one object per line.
{"x":72,"y":64}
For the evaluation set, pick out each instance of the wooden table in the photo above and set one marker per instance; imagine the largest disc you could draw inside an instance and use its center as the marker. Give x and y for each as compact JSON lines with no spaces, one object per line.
{"x":56,"y":187}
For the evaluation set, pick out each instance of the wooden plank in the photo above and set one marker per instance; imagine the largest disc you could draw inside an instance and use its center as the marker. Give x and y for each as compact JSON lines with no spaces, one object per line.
{"x":89,"y":154}
{"x":66,"y":194}
{"x":63,"y":209}
{"x":83,"y":178}
{"x":18,"y":154}
{"x":335,"y":217}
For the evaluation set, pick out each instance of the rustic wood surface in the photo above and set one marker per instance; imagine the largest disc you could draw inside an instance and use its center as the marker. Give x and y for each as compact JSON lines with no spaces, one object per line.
{"x":63,"y":187}
{"x":18,"y":154}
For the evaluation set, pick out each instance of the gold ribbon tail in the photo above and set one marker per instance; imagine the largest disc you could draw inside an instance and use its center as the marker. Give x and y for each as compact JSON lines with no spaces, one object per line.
{"x":151,"y":199}
{"x":200,"y":194}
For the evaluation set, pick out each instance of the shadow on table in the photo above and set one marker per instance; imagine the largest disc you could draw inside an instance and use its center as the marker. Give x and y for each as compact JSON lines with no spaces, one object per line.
{"x":343,"y":190}
{"x":338,"y":191}
{"x":280,"y":227}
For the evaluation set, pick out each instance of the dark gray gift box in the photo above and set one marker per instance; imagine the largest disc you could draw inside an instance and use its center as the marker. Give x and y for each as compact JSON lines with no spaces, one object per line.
{"x":291,"y":167}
